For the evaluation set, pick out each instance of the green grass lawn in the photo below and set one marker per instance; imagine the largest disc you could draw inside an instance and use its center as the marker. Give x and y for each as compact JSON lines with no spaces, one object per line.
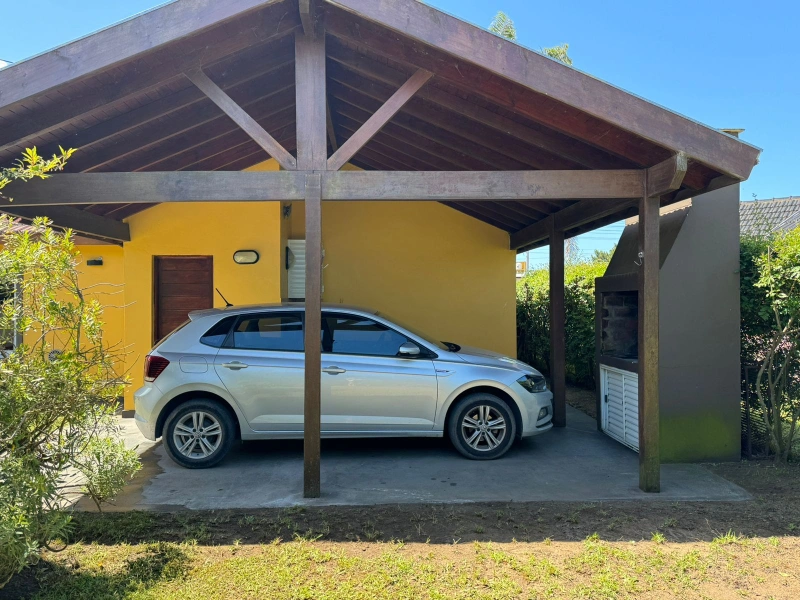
{"x":551,"y":550}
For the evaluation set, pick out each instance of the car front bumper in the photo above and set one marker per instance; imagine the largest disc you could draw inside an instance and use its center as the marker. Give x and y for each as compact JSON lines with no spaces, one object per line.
{"x":535,"y":404}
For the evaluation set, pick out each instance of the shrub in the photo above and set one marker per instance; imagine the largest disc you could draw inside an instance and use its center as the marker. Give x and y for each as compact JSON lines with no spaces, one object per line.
{"x":58,"y":391}
{"x":533,"y":319}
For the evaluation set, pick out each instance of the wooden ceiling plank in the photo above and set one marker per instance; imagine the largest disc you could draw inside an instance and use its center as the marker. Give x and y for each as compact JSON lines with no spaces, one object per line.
{"x":19,"y":82}
{"x":496,"y":214}
{"x":435,"y":162}
{"x":555,"y":80}
{"x":477,"y":134}
{"x":416,"y":140}
{"x":413,"y":124}
{"x":545,"y":139}
{"x":239,"y":116}
{"x":166,"y":155}
{"x":470,"y":212}
{"x":382,"y":116}
{"x":206,"y":117}
{"x":181,"y":158}
{"x":484,"y":84}
{"x":230,"y":78}
{"x":573,"y":216}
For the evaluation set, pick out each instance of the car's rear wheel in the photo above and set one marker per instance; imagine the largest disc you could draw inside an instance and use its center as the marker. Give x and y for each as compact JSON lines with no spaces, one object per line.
{"x":198,"y":434}
{"x":482,"y":426}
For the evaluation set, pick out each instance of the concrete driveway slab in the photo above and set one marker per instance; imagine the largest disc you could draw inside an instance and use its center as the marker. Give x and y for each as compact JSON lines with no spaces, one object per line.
{"x":575,"y":464}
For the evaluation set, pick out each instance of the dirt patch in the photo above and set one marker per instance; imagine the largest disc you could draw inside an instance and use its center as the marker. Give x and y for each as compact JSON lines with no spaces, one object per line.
{"x":585,"y":400}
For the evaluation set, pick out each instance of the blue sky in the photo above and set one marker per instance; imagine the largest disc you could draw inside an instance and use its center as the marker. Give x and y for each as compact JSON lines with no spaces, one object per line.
{"x":726,"y":63}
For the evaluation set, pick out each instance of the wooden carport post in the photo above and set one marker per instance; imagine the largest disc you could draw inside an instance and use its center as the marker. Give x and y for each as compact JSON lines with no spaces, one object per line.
{"x":312,"y":155}
{"x":649,"y":443}
{"x":557,"y":326}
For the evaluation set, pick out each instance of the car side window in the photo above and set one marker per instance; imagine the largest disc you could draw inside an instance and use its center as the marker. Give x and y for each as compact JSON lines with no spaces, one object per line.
{"x":281,"y":332}
{"x":350,"y":334}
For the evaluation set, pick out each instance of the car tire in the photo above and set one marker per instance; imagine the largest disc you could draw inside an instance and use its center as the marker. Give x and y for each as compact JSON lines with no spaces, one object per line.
{"x":198,"y":434}
{"x":482,"y":426}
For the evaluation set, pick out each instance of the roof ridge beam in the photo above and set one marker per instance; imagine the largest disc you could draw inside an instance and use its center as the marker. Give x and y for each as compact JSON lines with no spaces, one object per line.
{"x":376,"y":122}
{"x":238,"y":115}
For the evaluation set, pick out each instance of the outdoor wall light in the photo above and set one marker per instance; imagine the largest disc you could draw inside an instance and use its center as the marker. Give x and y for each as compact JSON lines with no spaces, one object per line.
{"x":95,"y":262}
{"x":245,"y":257}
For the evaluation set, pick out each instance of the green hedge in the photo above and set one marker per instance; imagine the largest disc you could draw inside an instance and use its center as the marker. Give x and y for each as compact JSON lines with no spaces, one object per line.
{"x":533,"y":319}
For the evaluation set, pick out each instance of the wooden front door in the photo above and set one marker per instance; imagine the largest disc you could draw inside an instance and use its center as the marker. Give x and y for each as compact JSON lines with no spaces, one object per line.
{"x":181,"y":284}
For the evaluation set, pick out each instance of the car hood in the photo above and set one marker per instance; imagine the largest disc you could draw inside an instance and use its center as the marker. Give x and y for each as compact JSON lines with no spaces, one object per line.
{"x":479,"y":356}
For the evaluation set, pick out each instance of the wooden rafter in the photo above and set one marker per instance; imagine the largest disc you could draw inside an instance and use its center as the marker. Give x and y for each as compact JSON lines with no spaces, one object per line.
{"x":31,"y":78}
{"x":569,"y":218}
{"x":382,"y":116}
{"x":260,"y":135}
{"x":230,"y":78}
{"x":466,"y":42}
{"x":162,"y":133}
{"x":537,"y":136}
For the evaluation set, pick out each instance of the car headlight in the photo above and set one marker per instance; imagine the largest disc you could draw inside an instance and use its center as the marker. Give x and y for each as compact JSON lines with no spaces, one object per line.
{"x":533,"y":383}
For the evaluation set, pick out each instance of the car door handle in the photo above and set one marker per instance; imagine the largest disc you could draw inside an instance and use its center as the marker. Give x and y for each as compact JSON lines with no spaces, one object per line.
{"x":235,"y":365}
{"x":333,"y":370}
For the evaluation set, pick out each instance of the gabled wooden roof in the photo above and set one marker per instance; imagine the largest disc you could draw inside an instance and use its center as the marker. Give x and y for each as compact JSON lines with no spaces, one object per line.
{"x":121,"y":97}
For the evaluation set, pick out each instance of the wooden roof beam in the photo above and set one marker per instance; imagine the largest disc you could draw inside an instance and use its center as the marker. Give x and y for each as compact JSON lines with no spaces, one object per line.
{"x":535,"y":135}
{"x":80,"y":221}
{"x":539,"y":73}
{"x":238,"y":115}
{"x":33,"y":77}
{"x":571,"y":217}
{"x":667,"y":176}
{"x":382,"y":116}
{"x":201,"y":186}
{"x":230,"y":79}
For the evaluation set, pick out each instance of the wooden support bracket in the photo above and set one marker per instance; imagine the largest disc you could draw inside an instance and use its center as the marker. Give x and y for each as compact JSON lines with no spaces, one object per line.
{"x":260,"y":135}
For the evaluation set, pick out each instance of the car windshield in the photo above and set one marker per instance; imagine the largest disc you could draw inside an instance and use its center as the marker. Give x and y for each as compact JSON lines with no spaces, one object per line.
{"x":423,"y":336}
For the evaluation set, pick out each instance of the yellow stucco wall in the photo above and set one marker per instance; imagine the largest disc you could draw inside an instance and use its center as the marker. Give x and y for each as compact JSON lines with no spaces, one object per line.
{"x":209,"y":229}
{"x":106,"y":283}
{"x":423,"y":264}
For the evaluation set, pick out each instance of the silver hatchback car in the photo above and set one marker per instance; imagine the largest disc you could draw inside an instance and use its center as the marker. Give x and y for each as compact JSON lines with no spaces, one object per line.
{"x":238,"y":373}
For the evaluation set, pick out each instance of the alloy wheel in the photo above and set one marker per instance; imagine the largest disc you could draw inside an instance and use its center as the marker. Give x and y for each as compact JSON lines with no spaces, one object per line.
{"x":197,"y":434}
{"x":483,"y":428}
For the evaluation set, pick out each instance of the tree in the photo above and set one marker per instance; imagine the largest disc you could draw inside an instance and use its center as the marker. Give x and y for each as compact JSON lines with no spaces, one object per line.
{"x":603,"y":256}
{"x":59,"y":385}
{"x":778,"y":379}
{"x":32,"y":165}
{"x":503,"y":26}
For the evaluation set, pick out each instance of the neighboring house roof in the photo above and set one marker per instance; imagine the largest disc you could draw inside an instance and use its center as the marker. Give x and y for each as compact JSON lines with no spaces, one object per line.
{"x":763,"y":216}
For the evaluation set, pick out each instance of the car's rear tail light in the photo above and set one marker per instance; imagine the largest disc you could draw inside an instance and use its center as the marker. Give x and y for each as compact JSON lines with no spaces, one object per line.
{"x":154,"y":366}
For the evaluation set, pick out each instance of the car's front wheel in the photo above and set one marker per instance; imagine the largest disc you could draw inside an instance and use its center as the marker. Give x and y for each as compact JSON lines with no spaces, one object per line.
{"x":198,"y":434}
{"x":482,"y":426}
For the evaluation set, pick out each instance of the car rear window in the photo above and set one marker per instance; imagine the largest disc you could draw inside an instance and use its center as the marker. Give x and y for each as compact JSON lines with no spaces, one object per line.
{"x":215,"y":336}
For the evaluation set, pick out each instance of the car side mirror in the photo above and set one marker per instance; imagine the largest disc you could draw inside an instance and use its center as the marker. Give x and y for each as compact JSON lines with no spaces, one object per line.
{"x":409,"y":349}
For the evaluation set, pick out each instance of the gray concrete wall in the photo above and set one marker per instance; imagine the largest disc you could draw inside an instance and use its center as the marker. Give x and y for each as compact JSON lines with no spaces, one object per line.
{"x":699,"y":331}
